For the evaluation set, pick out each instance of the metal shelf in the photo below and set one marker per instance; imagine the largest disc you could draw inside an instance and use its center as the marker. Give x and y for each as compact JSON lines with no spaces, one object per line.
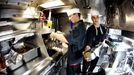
{"x":22,"y":33}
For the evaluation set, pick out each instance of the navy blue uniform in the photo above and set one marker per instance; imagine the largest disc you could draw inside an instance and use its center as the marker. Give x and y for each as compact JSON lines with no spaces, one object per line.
{"x":76,"y":39}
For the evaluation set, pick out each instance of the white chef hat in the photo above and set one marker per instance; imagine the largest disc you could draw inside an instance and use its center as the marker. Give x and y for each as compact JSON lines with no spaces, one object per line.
{"x":72,"y":11}
{"x":94,"y":12}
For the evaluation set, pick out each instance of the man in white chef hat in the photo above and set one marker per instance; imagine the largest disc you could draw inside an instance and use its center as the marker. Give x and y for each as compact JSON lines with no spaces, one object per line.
{"x":75,"y":40}
{"x":96,"y":33}
{"x":74,"y":15}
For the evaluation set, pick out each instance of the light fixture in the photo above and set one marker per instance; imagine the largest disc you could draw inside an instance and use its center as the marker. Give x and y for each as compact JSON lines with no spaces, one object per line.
{"x":30,"y":12}
{"x":52,"y":4}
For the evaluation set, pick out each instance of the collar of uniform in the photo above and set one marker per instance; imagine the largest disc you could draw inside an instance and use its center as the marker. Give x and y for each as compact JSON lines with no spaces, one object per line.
{"x":78,"y":23}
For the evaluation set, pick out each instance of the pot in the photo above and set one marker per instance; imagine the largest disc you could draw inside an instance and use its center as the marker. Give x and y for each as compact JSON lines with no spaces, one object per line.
{"x":88,"y":56}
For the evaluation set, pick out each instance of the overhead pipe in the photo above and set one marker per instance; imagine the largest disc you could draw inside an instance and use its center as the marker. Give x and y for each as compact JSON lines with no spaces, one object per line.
{"x":49,"y":16}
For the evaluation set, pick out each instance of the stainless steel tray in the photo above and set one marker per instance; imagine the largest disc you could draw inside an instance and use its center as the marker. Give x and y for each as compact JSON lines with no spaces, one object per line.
{"x":29,"y":54}
{"x":16,"y":65}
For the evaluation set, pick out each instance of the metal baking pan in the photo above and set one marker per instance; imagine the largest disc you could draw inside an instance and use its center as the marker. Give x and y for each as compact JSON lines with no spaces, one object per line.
{"x":28,"y":50}
{"x":31,"y":54}
{"x":16,"y":65}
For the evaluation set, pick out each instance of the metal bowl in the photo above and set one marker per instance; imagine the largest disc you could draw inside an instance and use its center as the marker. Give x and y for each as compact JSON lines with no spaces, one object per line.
{"x":89,"y":55}
{"x":22,"y":25}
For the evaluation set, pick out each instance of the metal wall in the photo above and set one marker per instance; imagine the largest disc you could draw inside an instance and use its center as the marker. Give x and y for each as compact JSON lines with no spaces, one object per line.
{"x":120,"y":14}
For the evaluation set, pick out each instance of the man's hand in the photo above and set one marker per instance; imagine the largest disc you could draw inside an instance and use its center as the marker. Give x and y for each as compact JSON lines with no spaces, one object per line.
{"x":58,"y":36}
{"x":52,"y":35}
{"x":87,"y":48}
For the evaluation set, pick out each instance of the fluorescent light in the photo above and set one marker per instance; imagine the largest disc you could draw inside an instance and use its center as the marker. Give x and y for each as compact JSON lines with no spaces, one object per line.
{"x":52,"y":4}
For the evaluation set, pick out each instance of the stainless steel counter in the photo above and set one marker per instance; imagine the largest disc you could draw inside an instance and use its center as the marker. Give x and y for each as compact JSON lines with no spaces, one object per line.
{"x":121,"y":56}
{"x":38,"y":66}
{"x":42,"y":64}
{"x":26,"y":67}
